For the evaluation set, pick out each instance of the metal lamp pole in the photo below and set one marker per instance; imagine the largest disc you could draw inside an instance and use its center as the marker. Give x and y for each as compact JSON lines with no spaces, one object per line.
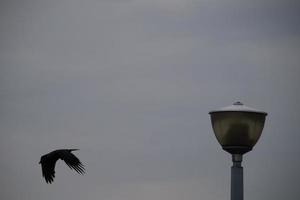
{"x":237,"y":184}
{"x":237,"y":128}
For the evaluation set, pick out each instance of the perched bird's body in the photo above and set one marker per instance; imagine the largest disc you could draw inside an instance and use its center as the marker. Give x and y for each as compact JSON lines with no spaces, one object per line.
{"x":48,"y":162}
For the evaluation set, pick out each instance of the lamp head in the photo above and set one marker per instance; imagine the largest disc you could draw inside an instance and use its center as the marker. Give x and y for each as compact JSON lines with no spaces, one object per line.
{"x":237,"y":127}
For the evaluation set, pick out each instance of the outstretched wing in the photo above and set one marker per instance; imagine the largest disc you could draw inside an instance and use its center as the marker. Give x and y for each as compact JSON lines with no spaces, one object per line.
{"x":48,"y":172}
{"x":72,"y":161}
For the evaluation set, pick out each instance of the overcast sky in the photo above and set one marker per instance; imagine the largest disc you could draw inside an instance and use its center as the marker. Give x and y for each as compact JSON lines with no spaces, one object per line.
{"x":130,"y":83}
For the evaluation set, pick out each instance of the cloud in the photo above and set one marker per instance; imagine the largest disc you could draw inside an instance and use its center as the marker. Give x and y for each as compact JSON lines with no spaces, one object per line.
{"x":131,"y":83}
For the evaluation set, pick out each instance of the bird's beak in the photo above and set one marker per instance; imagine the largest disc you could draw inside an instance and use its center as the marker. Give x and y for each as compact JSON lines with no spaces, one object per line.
{"x":40,"y":162}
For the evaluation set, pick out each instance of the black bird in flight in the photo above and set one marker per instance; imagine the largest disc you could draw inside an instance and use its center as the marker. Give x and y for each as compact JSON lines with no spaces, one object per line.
{"x":48,"y":163}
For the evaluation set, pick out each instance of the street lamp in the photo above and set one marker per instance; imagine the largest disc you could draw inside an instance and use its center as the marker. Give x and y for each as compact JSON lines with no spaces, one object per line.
{"x":237,"y":128}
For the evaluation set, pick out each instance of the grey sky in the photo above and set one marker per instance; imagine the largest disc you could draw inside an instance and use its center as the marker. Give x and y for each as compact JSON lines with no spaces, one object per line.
{"x":131,"y":83}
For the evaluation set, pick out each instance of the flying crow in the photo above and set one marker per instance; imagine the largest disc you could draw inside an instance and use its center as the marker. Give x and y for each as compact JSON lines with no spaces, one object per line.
{"x":48,"y":163}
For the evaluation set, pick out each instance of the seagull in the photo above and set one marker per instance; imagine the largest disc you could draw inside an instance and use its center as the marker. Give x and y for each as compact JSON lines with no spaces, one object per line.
{"x":48,"y":163}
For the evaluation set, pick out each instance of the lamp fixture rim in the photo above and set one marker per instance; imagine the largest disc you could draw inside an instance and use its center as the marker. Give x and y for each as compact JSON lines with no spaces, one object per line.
{"x":238,"y":107}
{"x":237,"y":111}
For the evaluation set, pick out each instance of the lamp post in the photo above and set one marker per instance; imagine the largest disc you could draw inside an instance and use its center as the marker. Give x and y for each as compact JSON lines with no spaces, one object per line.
{"x":237,"y":128}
